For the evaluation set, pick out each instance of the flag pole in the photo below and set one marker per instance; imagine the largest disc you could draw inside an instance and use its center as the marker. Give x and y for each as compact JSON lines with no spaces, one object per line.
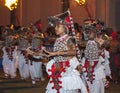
{"x":74,"y":35}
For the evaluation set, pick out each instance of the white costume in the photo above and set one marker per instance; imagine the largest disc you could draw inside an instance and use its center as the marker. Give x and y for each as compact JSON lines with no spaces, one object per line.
{"x":23,"y":59}
{"x":23,"y":64}
{"x":93,"y":68}
{"x":36,"y":70}
{"x":107,"y":64}
{"x":64,"y":78}
{"x":9,"y":61}
{"x":35,"y":65}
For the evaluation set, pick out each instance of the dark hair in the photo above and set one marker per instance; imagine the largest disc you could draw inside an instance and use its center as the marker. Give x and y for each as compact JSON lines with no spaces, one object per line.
{"x":66,"y":29}
{"x":76,"y":26}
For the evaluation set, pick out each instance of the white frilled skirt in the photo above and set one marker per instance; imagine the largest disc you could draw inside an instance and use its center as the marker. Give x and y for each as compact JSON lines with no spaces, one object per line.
{"x":71,"y":80}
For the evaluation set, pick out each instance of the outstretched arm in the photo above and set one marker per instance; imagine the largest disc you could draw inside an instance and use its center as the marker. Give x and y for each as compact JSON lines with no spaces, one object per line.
{"x":70,"y":52}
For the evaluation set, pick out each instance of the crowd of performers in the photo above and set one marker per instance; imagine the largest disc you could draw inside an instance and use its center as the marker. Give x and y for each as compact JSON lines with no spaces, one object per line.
{"x":81,"y":59}
{"x":14,"y":56}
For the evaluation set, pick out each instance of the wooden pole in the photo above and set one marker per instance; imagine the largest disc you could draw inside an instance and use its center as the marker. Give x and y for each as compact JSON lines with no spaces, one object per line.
{"x":66,"y":5}
{"x":12,"y":17}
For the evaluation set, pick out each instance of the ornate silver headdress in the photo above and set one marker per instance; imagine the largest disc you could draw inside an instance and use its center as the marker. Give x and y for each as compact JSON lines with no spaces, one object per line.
{"x":59,"y":19}
{"x":95,"y":26}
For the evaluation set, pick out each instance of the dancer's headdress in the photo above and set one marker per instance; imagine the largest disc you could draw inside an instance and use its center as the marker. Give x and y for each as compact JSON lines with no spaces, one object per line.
{"x":59,"y":19}
{"x":93,"y":25}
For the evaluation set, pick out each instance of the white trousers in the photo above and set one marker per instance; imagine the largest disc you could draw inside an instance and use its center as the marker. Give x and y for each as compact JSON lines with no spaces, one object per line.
{"x":97,"y":87}
{"x":35,"y":70}
{"x":23,"y":67}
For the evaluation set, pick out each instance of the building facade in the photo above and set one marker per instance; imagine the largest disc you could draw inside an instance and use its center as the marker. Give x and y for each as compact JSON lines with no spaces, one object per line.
{"x":29,"y":11}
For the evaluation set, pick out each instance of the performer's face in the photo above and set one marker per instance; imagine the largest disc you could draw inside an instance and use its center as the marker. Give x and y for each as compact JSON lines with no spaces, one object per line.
{"x":78,"y":36}
{"x":100,"y":41}
{"x":59,"y":30}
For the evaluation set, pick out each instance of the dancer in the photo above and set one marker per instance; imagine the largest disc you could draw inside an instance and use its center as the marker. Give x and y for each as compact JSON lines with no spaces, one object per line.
{"x":9,"y":58}
{"x":35,"y":65}
{"x":63,"y":69}
{"x":93,"y":59}
{"x":23,"y":59}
